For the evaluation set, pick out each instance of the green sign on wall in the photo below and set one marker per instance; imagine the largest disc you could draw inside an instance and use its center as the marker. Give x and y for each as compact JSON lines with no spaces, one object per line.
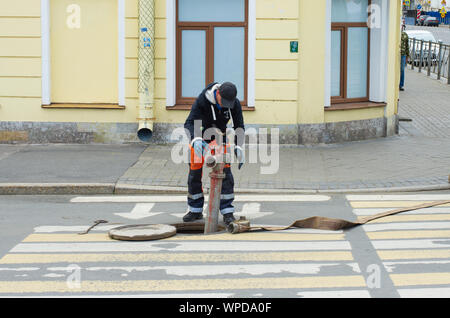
{"x":294,"y":46}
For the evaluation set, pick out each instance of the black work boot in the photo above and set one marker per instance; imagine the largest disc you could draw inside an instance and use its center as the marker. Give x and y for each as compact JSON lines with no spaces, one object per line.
{"x":191,"y":216}
{"x":228,"y":218}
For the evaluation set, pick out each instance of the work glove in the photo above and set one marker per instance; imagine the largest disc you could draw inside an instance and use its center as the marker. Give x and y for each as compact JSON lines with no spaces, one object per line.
{"x":200,"y":147}
{"x":240,"y":156}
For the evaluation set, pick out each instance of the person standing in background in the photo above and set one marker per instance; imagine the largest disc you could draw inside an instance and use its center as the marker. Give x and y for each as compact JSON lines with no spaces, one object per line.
{"x":404,"y":58}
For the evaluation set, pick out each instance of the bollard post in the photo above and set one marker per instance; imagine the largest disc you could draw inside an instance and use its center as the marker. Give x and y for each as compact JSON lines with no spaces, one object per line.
{"x":413,"y":54}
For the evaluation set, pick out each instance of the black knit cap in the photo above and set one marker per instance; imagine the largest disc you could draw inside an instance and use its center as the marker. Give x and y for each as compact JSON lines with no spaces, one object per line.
{"x":228,"y":92}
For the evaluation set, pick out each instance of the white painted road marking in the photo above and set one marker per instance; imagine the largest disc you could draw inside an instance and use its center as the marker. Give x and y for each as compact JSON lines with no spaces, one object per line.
{"x":105,"y":228}
{"x":220,"y":236}
{"x":73,"y":228}
{"x":19,"y":269}
{"x":424,"y":292}
{"x":213,"y":270}
{"x":372,"y":211}
{"x":140,"y":211}
{"x":411,"y":244}
{"x":238,"y":198}
{"x":181,"y":258}
{"x":178,"y":246}
{"x":392,"y":266}
{"x":188,"y":285}
{"x":335,"y":294}
{"x":405,"y":197}
{"x":252,"y":211}
{"x":406,"y":226}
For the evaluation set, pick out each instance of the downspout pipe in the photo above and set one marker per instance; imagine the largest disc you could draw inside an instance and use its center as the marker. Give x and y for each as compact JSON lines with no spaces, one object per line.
{"x":146,"y":81}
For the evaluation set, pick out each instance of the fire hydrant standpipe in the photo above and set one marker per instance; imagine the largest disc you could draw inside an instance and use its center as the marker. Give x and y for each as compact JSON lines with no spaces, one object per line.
{"x":217,"y":163}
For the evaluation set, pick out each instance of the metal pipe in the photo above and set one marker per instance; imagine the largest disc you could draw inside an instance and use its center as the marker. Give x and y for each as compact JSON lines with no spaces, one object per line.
{"x":146,"y":82}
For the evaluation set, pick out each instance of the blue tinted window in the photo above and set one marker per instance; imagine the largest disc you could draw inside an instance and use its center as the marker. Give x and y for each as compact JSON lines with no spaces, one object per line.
{"x":193,"y":62}
{"x":229,"y":55}
{"x":336,"y":63}
{"x":357,"y":62}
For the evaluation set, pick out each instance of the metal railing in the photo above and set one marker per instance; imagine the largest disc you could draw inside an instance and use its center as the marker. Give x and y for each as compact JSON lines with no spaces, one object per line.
{"x":433,"y":57}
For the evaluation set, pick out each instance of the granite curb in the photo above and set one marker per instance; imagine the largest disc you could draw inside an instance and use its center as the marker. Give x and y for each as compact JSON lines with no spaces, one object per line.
{"x":130,"y":189}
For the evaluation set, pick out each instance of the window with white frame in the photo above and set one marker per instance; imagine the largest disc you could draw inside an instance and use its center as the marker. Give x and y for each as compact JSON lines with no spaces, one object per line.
{"x":350,"y":47}
{"x":211,"y":41}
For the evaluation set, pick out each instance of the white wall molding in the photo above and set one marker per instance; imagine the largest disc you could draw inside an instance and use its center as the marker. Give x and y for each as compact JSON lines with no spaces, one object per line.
{"x":251,"y":53}
{"x":171,"y":53}
{"x":121,"y":42}
{"x":327,"y":97}
{"x":45,"y":52}
{"x":379,"y":37}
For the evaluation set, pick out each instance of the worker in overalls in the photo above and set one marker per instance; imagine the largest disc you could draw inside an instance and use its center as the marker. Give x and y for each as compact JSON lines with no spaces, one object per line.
{"x":215,"y":107}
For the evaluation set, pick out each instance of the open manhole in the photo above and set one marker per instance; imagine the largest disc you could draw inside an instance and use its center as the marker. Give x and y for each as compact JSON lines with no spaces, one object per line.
{"x":151,"y":232}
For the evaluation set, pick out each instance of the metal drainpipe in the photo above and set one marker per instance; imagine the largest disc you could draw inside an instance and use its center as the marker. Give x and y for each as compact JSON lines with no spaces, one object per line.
{"x":146,"y":82}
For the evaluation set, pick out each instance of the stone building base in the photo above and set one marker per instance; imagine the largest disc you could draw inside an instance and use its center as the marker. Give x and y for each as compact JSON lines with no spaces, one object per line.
{"x":119,"y":133}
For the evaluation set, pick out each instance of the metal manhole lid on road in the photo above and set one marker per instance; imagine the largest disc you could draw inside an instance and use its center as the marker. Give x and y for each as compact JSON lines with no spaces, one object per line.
{"x":142,"y":232}
{"x":152,"y":232}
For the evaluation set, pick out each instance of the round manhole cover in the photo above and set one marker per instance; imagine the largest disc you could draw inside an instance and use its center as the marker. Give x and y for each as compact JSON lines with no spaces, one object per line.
{"x":145,"y":232}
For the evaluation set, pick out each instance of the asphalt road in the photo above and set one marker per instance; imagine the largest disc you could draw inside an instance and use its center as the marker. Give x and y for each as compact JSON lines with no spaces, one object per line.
{"x":42,"y":254}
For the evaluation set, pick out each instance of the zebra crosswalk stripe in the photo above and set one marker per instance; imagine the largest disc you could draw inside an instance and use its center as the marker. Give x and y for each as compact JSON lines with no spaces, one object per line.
{"x":202,"y":246}
{"x":204,"y":257}
{"x":411,"y":239}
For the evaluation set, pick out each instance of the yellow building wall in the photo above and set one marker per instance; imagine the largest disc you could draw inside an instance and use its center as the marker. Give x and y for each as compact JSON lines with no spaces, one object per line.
{"x":20,"y":69}
{"x":84,"y":58}
{"x":312,"y":39}
{"x":276,"y":68}
{"x":20,"y":62}
{"x":353,"y":114}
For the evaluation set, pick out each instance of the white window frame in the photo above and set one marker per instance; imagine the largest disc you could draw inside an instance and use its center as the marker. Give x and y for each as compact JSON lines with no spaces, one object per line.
{"x":379,"y":38}
{"x":45,"y":51}
{"x":379,"y":54}
{"x":171,"y":53}
{"x":45,"y":39}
